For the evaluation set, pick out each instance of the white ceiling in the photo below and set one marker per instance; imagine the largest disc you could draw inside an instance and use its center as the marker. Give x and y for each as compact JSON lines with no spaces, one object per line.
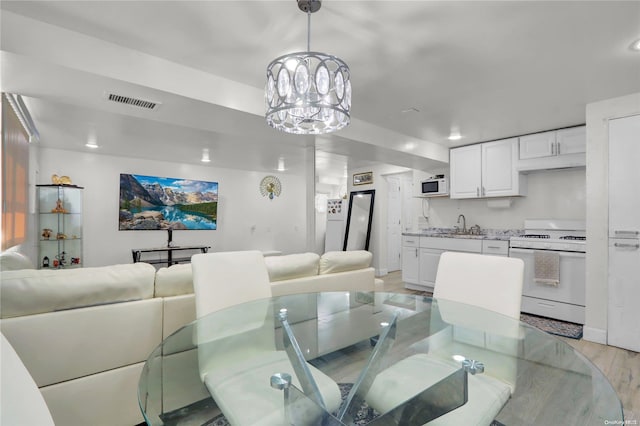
{"x":486,"y":69}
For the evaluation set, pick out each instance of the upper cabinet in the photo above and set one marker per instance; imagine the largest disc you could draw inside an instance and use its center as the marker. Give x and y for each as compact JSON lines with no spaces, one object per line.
{"x":551,"y":150}
{"x":486,"y":170}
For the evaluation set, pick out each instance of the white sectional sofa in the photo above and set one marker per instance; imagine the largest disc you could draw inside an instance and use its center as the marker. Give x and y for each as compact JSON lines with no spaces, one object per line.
{"x":84,"y":334}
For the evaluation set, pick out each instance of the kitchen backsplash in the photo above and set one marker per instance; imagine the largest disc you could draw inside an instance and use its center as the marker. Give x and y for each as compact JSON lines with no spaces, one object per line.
{"x":558,"y":194}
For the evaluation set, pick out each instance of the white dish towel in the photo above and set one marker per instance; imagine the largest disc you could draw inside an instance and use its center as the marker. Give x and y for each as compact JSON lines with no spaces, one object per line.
{"x":546,"y":269}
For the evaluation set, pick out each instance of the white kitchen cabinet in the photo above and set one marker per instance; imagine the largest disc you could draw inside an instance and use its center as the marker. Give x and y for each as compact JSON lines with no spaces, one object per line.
{"x":551,"y":150}
{"x":486,"y":170}
{"x":624,"y":177}
{"x":623,"y":325}
{"x":465,"y":171}
{"x":571,"y":141}
{"x":429,"y":256}
{"x":410,"y":260}
{"x":429,"y":259}
{"x":624,"y":292}
{"x":537,"y":145}
{"x":495,"y":247}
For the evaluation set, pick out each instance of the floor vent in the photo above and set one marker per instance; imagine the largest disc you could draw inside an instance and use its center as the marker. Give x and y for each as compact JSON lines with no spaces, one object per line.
{"x":140,"y":103}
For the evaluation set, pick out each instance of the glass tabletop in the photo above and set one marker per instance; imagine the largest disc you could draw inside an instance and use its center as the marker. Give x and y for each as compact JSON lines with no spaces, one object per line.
{"x":369,"y":358}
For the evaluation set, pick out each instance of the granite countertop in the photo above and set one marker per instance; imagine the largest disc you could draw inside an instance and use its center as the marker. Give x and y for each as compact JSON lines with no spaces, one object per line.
{"x":485,"y":234}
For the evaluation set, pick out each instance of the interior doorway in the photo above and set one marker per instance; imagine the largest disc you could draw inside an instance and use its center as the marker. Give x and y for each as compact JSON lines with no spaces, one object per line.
{"x":398,"y":196}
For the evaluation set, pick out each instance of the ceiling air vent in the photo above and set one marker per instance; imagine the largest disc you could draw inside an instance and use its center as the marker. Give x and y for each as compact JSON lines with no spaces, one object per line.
{"x":140,"y":103}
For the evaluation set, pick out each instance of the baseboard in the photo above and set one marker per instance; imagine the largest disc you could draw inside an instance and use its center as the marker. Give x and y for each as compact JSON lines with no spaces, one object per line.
{"x":596,"y":335}
{"x":381,"y":272}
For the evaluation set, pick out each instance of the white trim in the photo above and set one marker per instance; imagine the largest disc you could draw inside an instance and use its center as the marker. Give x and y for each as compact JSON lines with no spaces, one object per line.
{"x":596,"y":335}
{"x":381,"y":272}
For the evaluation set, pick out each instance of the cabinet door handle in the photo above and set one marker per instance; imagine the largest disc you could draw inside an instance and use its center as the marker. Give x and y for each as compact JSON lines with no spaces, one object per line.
{"x":494,"y":247}
{"x":483,"y":192}
{"x":621,"y":245}
{"x":477,"y":191}
{"x":626,"y":232}
{"x":416,"y":252}
{"x":553,"y":148}
{"x":557,"y":148}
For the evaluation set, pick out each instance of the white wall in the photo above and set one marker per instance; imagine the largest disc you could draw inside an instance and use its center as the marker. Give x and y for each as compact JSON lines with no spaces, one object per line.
{"x":556,"y":194}
{"x":598,"y":114}
{"x":246,"y":219}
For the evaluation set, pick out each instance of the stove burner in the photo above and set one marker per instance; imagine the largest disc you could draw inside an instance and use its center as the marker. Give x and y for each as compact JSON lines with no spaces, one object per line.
{"x":535,"y":236}
{"x":573,"y":237}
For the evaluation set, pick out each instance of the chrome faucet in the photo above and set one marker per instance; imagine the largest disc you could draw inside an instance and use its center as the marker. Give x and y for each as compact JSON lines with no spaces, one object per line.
{"x":464,"y":223}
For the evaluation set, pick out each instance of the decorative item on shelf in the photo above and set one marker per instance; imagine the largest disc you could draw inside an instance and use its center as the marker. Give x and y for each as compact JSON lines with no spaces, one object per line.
{"x":363,"y":178}
{"x":56,"y":263}
{"x":45,"y":262}
{"x":308,"y":92}
{"x":75,"y":260}
{"x":60,"y":180}
{"x":59,"y":207}
{"x":46,"y":233}
{"x":271,"y":187}
{"x":61,"y":258}
{"x":61,"y":236}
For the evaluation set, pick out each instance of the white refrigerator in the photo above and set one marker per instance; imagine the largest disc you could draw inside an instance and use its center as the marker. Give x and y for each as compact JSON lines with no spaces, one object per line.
{"x":623,"y":325}
{"x":336,"y":222}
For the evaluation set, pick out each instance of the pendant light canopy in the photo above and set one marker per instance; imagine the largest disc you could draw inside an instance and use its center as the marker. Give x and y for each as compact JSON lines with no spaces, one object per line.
{"x":308,"y":92}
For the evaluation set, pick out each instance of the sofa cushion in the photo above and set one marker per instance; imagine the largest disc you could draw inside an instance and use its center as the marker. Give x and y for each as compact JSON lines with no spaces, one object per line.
{"x":341,"y":261}
{"x":292,"y":266}
{"x":31,"y":291}
{"x":13,"y":260}
{"x":174,"y":280}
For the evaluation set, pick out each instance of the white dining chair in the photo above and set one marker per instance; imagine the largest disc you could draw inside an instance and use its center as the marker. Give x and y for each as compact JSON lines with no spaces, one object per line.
{"x":489,"y":282}
{"x":237,"y":354}
{"x":21,"y":402}
{"x":467,"y":287}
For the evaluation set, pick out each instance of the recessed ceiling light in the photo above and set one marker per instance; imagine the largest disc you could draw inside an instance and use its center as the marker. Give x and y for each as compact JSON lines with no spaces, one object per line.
{"x":635,"y":46}
{"x":455,"y":137}
{"x":410,"y":146}
{"x":92,"y":140}
{"x":412,"y":109}
{"x":281,"y":165}
{"x":205,"y":156}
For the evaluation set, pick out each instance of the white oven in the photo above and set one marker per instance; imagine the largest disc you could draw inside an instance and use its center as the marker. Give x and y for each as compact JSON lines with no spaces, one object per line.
{"x":564,"y":243}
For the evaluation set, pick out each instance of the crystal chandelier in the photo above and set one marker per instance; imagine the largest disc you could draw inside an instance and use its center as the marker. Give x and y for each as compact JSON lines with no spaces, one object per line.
{"x":308,"y":92}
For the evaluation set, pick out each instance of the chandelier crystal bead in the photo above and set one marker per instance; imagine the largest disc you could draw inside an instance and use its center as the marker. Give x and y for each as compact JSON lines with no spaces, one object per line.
{"x":308,"y":92}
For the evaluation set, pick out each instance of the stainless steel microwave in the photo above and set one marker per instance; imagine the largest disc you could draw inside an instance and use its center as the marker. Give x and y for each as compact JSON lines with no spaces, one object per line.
{"x":436,"y":186}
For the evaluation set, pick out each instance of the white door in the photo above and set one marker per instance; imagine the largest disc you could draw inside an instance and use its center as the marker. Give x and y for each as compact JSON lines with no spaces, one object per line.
{"x":623,"y":326}
{"x":499,"y":176}
{"x":624,"y":177}
{"x":394,"y":223}
{"x":465,"y":169}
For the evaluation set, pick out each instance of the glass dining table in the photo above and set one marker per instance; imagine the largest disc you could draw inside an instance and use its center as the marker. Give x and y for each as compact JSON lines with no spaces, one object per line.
{"x":391,"y":359}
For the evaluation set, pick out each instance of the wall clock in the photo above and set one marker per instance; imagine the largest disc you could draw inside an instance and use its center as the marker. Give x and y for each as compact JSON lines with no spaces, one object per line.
{"x":271,"y":187}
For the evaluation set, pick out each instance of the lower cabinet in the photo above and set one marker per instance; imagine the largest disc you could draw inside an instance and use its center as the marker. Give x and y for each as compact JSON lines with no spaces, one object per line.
{"x":410,"y":265}
{"x":429,"y":259}
{"x":421,"y":257}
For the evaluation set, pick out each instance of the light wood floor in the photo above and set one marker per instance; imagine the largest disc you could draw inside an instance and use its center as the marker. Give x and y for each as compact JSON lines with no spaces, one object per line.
{"x":620,"y":366}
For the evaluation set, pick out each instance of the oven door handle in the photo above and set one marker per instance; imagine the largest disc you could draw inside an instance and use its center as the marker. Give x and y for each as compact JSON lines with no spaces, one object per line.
{"x":561,"y":253}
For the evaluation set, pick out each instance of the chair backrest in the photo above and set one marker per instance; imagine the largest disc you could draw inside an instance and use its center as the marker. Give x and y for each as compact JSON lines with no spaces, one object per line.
{"x":224,"y":279}
{"x":489,"y":282}
{"x":21,"y":402}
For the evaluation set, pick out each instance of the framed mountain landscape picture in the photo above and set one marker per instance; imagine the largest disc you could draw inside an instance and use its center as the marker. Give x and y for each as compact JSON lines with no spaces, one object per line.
{"x":152,"y":203}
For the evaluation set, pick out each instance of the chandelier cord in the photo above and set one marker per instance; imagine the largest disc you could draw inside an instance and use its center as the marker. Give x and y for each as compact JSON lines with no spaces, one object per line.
{"x":309,"y":30}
